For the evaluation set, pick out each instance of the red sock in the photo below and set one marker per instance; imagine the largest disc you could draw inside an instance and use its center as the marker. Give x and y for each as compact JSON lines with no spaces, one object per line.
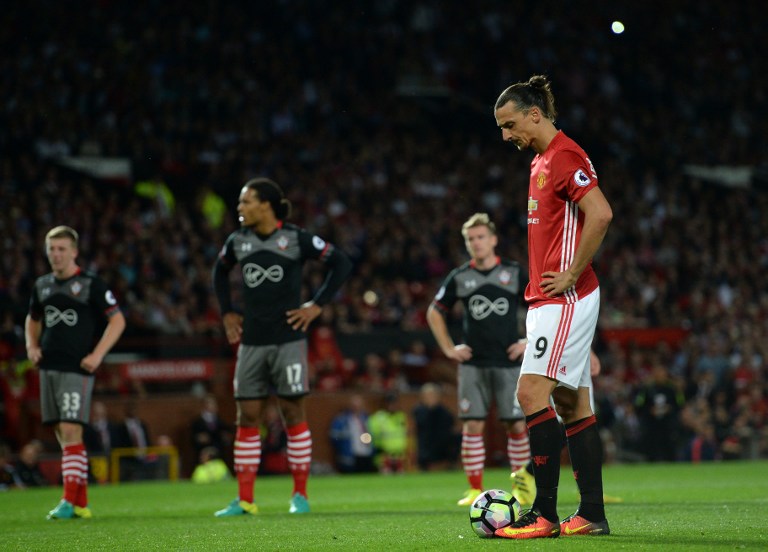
{"x":82,"y":488}
{"x":299,"y":456}
{"x":518,"y":450}
{"x":247,"y":460}
{"x":74,"y":472}
{"x":473,"y":458}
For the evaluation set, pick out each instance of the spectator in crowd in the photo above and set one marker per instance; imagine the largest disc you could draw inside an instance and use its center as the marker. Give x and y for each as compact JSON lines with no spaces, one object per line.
{"x":658,"y":404}
{"x":351,"y":438}
{"x":9,"y":479}
{"x":132,"y":432}
{"x":389,"y":432}
{"x":333,"y":370}
{"x":210,"y":468}
{"x":702,"y":447}
{"x":19,"y":386}
{"x":208,"y":429}
{"x":437,"y":441}
{"x":161,"y":462}
{"x":374,"y":377}
{"x":28,"y":465}
{"x":102,"y":432}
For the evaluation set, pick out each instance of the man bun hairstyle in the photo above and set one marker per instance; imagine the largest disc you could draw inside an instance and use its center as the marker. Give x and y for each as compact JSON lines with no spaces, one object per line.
{"x":536,"y":92}
{"x":268,"y":190}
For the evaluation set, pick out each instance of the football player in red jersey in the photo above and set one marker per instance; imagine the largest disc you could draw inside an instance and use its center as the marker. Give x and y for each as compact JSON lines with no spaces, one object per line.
{"x":568,"y":217}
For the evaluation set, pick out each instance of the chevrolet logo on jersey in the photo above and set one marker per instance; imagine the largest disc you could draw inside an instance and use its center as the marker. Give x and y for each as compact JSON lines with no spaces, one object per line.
{"x":533,"y":204}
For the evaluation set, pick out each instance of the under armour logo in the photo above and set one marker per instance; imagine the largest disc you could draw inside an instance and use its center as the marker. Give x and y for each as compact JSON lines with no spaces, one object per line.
{"x":481,"y":307}
{"x":540,"y":460}
{"x":53,"y":316}
{"x":254,"y":275}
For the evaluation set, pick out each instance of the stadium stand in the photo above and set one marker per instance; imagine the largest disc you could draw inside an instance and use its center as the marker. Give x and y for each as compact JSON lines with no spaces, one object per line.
{"x":137,"y":126}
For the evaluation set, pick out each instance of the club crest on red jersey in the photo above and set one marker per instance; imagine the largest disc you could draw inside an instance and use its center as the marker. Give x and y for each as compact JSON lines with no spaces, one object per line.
{"x":541,"y":180}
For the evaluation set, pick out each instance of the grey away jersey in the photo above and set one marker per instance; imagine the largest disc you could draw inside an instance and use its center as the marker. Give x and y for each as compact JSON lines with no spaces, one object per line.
{"x":71,"y":311}
{"x":490,"y":299}
{"x":271,"y":269}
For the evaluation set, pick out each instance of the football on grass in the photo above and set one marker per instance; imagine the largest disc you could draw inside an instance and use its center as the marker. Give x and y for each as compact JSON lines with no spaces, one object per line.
{"x":492,"y":510}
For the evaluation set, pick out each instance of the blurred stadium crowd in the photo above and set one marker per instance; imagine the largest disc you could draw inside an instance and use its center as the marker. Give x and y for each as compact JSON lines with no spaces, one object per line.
{"x":377,"y":120}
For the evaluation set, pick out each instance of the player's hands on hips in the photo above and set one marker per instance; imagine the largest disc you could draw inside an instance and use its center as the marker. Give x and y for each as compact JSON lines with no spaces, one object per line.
{"x":35,"y":355}
{"x":301,"y":318}
{"x":233,"y":326}
{"x":91,"y":362}
{"x":516,"y":350}
{"x":460,"y":353}
{"x":555,"y":283}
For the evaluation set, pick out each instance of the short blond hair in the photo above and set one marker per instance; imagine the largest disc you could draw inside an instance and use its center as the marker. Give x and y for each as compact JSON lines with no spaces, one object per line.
{"x":62,"y":232}
{"x":478,"y":219}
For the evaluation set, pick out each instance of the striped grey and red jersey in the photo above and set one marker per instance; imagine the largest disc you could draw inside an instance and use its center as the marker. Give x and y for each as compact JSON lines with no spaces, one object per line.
{"x":560,"y":178}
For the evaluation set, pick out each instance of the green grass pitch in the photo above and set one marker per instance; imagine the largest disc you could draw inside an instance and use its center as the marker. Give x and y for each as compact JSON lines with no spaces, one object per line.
{"x":667,"y":507}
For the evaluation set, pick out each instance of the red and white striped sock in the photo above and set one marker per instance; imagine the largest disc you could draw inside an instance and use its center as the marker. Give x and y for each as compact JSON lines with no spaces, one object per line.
{"x":247,"y":460}
{"x":518,"y":450}
{"x":299,"y":456}
{"x":82,"y":489}
{"x":74,"y":472}
{"x":473,"y":458}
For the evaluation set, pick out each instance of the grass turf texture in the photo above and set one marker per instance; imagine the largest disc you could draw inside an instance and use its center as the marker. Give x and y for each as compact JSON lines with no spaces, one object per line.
{"x":666,"y":507}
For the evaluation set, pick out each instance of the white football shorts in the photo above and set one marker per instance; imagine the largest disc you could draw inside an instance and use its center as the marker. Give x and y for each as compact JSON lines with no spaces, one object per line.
{"x":560,"y":339}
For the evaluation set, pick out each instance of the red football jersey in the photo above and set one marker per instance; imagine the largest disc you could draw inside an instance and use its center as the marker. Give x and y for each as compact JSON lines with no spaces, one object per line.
{"x":560,"y":177}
